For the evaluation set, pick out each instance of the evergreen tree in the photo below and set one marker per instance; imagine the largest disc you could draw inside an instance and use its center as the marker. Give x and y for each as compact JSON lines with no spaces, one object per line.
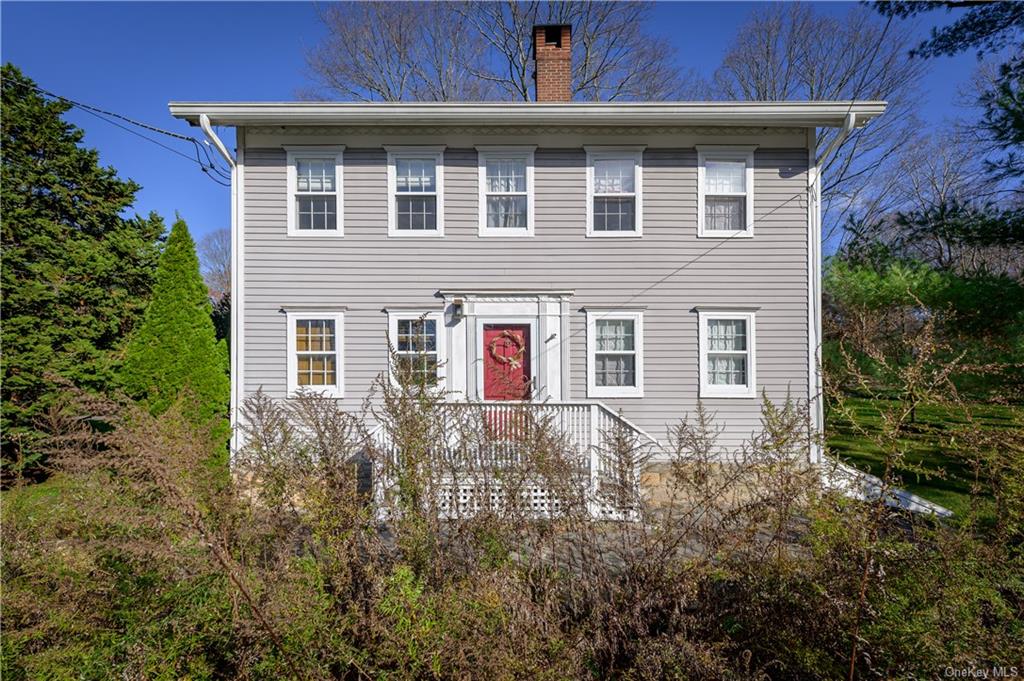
{"x":76,"y":275}
{"x":176,"y":349}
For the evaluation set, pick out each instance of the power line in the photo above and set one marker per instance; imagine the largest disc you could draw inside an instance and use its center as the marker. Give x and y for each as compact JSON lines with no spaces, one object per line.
{"x":209,"y":167}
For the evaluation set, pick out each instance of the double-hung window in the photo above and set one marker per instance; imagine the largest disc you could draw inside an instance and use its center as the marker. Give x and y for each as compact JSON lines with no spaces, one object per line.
{"x":506,"y":191}
{"x":417,"y":339}
{"x":615,"y":366}
{"x":727,"y":364}
{"x":315,"y":198}
{"x":725,"y":191}
{"x":614,"y":191}
{"x":416,"y":191}
{"x":315,"y":358}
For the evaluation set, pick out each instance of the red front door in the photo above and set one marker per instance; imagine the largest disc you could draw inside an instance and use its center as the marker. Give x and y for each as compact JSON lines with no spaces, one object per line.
{"x":506,"y":361}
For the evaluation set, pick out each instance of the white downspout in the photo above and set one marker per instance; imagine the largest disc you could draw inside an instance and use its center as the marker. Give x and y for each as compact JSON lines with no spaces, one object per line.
{"x":814,"y":285}
{"x":204,"y":123}
{"x":848,"y":125}
{"x":236,"y":286}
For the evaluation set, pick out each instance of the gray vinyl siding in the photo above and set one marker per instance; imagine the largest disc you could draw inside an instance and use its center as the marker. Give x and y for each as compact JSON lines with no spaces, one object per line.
{"x":668,"y":271}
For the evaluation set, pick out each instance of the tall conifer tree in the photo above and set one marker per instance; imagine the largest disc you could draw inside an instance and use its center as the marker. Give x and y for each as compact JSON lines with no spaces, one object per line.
{"x":76,"y":275}
{"x":176,"y":347}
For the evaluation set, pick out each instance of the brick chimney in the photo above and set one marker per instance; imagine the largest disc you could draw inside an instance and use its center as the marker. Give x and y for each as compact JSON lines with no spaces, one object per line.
{"x":552,"y":45}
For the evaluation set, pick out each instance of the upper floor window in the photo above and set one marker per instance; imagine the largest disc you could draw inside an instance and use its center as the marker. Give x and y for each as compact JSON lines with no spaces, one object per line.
{"x":727,"y":354}
{"x":417,"y":339}
{"x":725,"y":191}
{"x":315,"y":352}
{"x":506,"y":191}
{"x":614,"y":191}
{"x":615,"y":366}
{"x":415,"y":188}
{"x":315,"y":201}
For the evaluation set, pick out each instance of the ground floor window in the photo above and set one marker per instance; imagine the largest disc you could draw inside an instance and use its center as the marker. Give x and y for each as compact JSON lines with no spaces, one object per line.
{"x":315,"y":353}
{"x":727,"y":354}
{"x":614,"y":353}
{"x":416,"y":341}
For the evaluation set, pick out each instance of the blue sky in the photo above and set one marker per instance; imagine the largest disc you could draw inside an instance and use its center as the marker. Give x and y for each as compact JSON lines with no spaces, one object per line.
{"x":132,"y":58}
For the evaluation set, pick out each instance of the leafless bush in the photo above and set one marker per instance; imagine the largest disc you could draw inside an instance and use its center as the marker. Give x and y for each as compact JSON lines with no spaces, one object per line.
{"x":424,"y":539}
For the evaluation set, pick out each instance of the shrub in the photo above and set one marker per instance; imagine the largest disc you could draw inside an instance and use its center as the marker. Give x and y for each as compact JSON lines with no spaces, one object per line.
{"x":143,"y":566}
{"x":176,"y":347}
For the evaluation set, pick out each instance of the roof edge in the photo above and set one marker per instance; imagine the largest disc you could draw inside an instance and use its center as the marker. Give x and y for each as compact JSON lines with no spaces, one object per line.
{"x":789,"y":114}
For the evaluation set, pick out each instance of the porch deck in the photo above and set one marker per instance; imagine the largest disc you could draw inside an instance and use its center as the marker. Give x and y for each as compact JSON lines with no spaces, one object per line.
{"x":493,"y":449}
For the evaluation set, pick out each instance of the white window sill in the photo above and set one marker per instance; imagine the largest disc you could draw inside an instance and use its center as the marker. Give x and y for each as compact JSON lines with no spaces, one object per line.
{"x":615,"y":235}
{"x":421,"y":234}
{"x":505,"y":234}
{"x":317,"y":234}
{"x":746,"y":394}
{"x":329,"y":393}
{"x":737,"y":234}
{"x":596,"y":392}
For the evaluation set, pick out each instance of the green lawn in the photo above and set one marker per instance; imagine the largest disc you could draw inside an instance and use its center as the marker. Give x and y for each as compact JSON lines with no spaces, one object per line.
{"x":944,"y":479}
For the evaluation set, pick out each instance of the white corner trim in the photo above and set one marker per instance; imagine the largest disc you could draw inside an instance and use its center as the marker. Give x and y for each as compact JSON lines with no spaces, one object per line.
{"x":525,"y":153}
{"x":441,"y":343}
{"x":292,"y":316}
{"x":434,"y":152}
{"x":295,"y":153}
{"x":635,"y":152}
{"x":814,"y":375}
{"x":637,"y":317}
{"x":237,"y":340}
{"x":707,"y":153}
{"x":706,"y":390}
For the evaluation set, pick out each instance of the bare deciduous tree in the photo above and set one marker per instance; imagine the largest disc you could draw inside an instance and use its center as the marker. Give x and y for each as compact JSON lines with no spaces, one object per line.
{"x":793,"y":52}
{"x":381,"y":51}
{"x":215,"y":260}
{"x":483,"y":50}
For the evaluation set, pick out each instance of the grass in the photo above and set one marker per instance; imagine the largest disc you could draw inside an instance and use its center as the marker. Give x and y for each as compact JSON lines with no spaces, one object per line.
{"x":931,"y":467}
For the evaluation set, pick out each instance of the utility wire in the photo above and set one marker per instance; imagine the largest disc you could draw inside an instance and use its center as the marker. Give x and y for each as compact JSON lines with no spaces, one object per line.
{"x":209,"y":167}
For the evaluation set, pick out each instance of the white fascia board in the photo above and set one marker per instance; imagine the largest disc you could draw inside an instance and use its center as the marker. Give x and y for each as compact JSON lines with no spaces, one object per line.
{"x":794,"y":114}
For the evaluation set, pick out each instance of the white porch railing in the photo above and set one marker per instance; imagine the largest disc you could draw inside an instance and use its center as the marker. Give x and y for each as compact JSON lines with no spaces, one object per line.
{"x":483,"y":437}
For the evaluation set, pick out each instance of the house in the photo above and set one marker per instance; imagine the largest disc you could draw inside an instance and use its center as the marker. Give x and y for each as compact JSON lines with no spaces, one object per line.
{"x":613,"y":260}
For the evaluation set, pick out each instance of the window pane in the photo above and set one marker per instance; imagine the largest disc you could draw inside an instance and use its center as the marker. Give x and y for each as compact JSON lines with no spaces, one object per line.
{"x":506,"y":175}
{"x":317,"y":212}
{"x":314,"y":335}
{"x":415,"y":175}
{"x":727,"y":369}
{"x":416,"y":213}
{"x":317,"y":370}
{"x":421,"y":368}
{"x":613,"y":215}
{"x":725,"y":213}
{"x":315,"y":175}
{"x":614,"y":176}
{"x":506,"y":212}
{"x":724,"y":177}
{"x":726,"y":335}
{"x":417,"y":335}
{"x":614,"y":335}
{"x":615,"y":370}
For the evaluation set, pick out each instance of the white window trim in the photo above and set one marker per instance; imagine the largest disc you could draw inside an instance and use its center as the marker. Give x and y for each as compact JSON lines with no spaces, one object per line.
{"x":637,"y":317}
{"x":601,"y":153}
{"x":294,"y":154}
{"x":442,"y":343}
{"x":740,"y":391}
{"x":293,"y":316}
{"x":525,"y":153}
{"x":433,"y":152}
{"x":720,"y":153}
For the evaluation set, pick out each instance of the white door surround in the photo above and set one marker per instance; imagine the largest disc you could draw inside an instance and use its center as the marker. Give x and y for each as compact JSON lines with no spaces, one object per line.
{"x":547,"y":313}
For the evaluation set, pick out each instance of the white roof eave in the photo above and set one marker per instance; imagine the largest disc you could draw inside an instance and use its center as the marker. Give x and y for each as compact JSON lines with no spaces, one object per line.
{"x":785,"y":114}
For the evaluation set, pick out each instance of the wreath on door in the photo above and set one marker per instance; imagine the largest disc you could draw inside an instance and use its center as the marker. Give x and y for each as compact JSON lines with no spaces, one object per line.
{"x":514,"y":360}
